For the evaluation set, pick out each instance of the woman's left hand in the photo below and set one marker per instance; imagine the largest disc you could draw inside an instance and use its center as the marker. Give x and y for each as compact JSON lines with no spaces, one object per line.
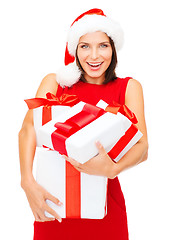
{"x":101,"y":164}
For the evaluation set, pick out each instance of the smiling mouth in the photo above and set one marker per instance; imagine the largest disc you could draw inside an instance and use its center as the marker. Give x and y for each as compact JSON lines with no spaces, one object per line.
{"x":94,"y":65}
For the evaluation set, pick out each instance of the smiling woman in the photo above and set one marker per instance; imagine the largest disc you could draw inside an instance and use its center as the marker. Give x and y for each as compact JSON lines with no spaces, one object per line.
{"x":95,"y":54}
{"x":89,"y":73}
{"x":96,"y":49}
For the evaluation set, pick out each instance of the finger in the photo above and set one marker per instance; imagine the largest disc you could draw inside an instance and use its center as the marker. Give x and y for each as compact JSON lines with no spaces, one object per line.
{"x":73,"y":161}
{"x":36,"y":216}
{"x":79,"y":169}
{"x":53,"y":199}
{"x":42,"y":217}
{"x":66,"y":158}
{"x":53,"y":213}
{"x":100,"y":148}
{"x":45,"y":219}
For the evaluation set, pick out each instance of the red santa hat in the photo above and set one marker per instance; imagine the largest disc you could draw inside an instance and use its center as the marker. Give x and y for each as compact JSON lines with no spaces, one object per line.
{"x":90,"y":21}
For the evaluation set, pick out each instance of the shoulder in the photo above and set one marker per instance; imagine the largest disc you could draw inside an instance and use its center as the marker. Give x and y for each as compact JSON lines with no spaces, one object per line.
{"x":49,"y":78}
{"x":133,"y":84}
{"x":48,"y":84}
{"x":134,"y":95}
{"x":133,"y":90}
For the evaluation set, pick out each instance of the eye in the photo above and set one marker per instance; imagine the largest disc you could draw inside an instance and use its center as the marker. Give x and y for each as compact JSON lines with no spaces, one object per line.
{"x":84,"y":46}
{"x":104,"y":45}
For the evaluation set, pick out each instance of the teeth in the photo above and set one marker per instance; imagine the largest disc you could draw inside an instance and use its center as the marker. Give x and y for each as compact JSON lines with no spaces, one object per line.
{"x":94,"y":64}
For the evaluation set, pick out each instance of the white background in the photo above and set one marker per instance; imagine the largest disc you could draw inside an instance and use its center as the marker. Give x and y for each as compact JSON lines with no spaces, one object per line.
{"x":33,"y":35}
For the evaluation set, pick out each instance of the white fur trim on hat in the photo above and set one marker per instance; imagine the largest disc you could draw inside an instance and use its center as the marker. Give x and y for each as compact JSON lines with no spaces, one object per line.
{"x":68,"y":75}
{"x":93,"y":23}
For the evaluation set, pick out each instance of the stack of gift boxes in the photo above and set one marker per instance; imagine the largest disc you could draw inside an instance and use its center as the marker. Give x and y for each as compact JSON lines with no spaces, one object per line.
{"x":71,"y":127}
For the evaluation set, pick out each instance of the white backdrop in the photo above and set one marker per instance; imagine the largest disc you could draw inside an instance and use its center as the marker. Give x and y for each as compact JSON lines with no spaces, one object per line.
{"x":32,"y":44}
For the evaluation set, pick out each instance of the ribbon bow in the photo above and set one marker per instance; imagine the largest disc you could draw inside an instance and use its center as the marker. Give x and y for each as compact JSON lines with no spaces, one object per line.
{"x":116,"y":107}
{"x":52,"y":100}
{"x":64,"y":130}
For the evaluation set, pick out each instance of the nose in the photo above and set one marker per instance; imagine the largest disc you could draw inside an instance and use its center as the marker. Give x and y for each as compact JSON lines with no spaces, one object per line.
{"x":94,"y":53}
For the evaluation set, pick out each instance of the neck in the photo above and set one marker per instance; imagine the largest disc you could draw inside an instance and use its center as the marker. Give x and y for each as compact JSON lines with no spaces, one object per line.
{"x":98,"y":81}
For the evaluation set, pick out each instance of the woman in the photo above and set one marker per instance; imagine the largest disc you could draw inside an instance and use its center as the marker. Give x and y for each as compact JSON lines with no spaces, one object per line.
{"x":89,"y":72}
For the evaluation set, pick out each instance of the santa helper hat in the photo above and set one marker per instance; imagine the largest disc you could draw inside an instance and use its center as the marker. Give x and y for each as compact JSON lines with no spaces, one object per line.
{"x":90,"y":21}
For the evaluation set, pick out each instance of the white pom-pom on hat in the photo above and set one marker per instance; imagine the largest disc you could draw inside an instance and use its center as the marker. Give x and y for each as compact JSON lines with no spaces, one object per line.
{"x":90,"y":21}
{"x":68,"y":75}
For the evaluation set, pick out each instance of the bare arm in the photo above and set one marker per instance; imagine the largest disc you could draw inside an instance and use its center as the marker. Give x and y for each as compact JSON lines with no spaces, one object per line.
{"x":27,"y":138}
{"x":135,"y":101}
{"x":27,"y":145}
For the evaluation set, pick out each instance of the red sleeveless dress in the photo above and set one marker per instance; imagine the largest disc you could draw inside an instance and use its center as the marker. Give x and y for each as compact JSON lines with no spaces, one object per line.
{"x":114,"y":225}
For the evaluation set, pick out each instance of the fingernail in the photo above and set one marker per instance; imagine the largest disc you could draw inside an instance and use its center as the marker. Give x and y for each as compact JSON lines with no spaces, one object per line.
{"x":98,"y":143}
{"x":59,"y":220}
{"x":65,"y":158}
{"x":60,"y":203}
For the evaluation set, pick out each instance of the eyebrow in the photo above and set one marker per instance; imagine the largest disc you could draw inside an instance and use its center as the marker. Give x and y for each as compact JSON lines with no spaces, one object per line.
{"x":99,"y":43}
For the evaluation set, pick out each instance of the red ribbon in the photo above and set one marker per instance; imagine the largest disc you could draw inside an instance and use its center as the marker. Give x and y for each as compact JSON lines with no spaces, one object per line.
{"x":64,"y":130}
{"x":51,"y":100}
{"x":72,"y":125}
{"x":123,"y":141}
{"x":73,"y":192}
{"x":73,"y":182}
{"x":129,"y":134}
{"x":116,"y":107}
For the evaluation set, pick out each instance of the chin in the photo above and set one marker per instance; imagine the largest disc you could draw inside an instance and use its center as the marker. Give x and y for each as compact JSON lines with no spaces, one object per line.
{"x":95,"y":74}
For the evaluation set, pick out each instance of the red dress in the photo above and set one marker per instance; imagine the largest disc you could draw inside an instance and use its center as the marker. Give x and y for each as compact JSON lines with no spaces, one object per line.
{"x":114,"y":225}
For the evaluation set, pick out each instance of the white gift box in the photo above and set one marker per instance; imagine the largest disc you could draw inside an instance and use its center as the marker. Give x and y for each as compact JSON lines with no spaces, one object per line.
{"x":51,"y":174}
{"x":38,"y":116}
{"x":51,"y":167}
{"x":107,"y":129}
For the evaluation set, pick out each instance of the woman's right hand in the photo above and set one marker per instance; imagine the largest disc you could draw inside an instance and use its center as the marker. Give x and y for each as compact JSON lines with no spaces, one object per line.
{"x":37,"y":197}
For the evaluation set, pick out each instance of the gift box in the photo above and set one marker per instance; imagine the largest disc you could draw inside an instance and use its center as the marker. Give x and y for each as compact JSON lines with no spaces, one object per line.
{"x":82,"y":195}
{"x":75,"y":132}
{"x":46,"y":109}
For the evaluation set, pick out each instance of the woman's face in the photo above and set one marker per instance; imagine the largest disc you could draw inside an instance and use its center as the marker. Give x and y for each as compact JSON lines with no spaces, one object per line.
{"x":95,"y":54}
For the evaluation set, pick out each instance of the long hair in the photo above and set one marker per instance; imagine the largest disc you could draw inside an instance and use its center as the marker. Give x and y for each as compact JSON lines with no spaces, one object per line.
{"x":110,"y":74}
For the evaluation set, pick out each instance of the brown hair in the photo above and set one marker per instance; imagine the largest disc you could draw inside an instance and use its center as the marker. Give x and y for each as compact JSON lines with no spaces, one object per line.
{"x":110,"y":74}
